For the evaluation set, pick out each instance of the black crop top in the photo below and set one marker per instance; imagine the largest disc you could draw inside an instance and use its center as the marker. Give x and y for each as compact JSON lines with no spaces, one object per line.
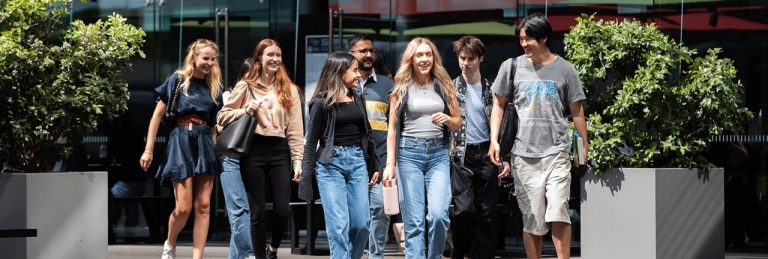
{"x":349,"y":124}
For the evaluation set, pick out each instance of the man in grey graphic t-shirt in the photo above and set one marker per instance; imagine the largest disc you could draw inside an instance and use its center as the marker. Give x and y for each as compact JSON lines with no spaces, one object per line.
{"x":546,"y":91}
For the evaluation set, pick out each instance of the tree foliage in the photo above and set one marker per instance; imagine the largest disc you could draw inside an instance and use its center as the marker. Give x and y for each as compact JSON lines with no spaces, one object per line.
{"x":58,"y":80}
{"x":652,"y":102}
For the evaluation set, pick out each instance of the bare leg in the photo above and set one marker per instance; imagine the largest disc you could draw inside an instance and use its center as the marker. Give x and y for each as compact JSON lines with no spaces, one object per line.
{"x":182,"y":191}
{"x":533,"y":245}
{"x":561,"y":237}
{"x":203,"y":187}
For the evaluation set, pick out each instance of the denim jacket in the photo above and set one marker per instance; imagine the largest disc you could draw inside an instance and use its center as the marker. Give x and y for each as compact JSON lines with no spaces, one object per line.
{"x":459,"y":138}
{"x":322,"y":128}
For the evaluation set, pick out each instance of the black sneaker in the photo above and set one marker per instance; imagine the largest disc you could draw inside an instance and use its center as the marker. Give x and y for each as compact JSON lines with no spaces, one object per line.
{"x":271,"y":254}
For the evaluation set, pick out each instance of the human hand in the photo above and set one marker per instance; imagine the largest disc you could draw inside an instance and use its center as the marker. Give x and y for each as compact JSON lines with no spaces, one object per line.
{"x":493,"y":153}
{"x":440,"y":118}
{"x":296,"y":171}
{"x":505,"y":169}
{"x":374,"y":179}
{"x":389,"y":173}
{"x":146,"y":160}
{"x":577,"y":159}
{"x":253,"y":107}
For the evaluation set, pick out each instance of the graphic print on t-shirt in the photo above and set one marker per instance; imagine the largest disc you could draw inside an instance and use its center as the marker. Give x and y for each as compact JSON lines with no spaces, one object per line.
{"x":540,"y":96}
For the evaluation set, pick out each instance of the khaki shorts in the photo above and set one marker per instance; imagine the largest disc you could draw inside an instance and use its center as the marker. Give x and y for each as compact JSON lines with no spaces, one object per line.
{"x":542,"y":187}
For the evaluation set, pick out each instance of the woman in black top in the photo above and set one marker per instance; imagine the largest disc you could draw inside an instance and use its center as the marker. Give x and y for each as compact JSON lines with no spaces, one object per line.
{"x":344,"y":160}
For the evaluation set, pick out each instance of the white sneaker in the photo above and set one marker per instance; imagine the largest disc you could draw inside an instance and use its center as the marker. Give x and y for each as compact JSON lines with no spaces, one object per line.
{"x":168,"y":252}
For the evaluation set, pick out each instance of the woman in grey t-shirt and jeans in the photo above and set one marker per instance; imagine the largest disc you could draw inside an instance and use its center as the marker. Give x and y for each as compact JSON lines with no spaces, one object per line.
{"x":425,"y":105}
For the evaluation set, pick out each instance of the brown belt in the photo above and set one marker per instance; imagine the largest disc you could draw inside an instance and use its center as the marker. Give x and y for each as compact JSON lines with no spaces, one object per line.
{"x":190,"y":120}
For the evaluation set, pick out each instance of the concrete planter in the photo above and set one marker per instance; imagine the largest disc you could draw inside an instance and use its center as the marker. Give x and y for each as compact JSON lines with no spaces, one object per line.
{"x":653,"y":213}
{"x":67,"y":210}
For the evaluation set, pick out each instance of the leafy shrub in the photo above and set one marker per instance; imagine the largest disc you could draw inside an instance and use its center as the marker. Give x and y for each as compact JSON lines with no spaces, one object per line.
{"x":57,"y":81}
{"x":652,"y":104}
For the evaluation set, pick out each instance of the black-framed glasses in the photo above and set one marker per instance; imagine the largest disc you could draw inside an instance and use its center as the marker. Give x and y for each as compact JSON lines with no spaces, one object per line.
{"x":364,"y":51}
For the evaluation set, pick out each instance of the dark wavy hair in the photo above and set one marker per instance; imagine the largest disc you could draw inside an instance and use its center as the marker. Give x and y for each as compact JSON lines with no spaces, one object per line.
{"x":331,"y":84}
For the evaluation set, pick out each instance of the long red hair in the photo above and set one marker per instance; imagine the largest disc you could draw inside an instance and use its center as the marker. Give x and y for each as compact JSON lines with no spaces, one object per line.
{"x":282,"y":81}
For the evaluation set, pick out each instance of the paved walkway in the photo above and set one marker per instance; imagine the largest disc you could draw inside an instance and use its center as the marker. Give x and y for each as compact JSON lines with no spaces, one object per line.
{"x":219,"y":251}
{"x":185,"y":251}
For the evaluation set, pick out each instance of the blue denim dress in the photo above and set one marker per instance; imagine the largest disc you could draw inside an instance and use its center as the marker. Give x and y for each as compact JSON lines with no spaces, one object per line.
{"x":189,"y":151}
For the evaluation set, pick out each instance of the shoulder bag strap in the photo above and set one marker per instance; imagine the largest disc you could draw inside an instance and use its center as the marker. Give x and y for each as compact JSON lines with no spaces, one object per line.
{"x":172,"y":106}
{"x":511,"y":79}
{"x":249,"y":92}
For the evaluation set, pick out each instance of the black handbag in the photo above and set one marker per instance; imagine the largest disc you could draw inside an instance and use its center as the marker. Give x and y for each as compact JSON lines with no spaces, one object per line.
{"x":235,"y":138}
{"x":461,"y":191}
{"x":169,"y":119}
{"x":509,"y":123}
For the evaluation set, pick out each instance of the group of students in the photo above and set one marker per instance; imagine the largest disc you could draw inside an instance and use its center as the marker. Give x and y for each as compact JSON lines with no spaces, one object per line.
{"x":364,"y":129}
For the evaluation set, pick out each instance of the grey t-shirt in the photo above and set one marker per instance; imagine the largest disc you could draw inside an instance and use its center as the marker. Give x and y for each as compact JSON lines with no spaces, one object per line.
{"x":422,"y":103}
{"x":542,"y":97}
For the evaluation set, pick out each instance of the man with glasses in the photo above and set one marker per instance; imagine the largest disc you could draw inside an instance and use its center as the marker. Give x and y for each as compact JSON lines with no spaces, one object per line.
{"x":375,"y":89}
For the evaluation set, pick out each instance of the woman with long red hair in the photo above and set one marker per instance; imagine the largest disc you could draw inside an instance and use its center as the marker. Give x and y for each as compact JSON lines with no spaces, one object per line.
{"x":278,"y":143}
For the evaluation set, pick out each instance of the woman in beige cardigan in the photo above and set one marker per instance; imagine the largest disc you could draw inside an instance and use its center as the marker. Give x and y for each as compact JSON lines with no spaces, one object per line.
{"x":278,"y":142}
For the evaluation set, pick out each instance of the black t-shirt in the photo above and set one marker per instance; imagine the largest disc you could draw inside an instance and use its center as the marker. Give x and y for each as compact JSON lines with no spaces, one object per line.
{"x":349,"y":125}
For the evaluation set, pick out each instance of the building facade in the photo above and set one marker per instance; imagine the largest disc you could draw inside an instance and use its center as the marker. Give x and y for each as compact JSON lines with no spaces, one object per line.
{"x":308,"y":29}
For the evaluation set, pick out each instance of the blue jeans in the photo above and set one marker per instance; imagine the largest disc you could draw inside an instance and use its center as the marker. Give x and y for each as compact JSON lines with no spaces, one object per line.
{"x":423,"y":171}
{"x":343,"y":186}
{"x":238,"y":211}
{"x":379,"y":223}
{"x":123,"y":189}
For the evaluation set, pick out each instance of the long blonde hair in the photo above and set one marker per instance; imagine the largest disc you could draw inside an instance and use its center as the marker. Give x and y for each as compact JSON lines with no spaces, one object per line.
{"x":331,"y":84}
{"x":282,"y":81}
{"x":405,"y":76}
{"x":213,"y":78}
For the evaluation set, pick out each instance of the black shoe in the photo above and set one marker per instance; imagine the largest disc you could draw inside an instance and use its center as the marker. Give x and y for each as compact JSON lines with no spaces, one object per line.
{"x":271,"y":254}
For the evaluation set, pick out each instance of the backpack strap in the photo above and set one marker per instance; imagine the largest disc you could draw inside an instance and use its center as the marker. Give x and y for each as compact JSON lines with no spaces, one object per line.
{"x":511,"y":77}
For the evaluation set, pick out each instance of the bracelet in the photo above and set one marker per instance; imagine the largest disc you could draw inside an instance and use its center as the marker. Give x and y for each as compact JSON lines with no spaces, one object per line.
{"x":147,"y":152}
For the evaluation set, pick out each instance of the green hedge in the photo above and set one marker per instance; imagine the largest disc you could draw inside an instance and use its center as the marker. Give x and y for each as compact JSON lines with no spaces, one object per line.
{"x":652,"y":102}
{"x":57,"y":81}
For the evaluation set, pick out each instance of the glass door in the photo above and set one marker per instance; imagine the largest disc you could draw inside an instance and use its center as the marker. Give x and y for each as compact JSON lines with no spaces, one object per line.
{"x":182,"y":22}
{"x":372,"y":17}
{"x":345,"y":18}
{"x":235,"y":25}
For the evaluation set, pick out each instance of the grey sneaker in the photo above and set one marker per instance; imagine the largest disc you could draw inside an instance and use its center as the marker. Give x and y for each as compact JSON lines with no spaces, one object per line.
{"x":168,"y":252}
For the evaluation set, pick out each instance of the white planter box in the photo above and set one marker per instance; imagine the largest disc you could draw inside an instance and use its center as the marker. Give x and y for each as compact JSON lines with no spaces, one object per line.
{"x":653,"y":213}
{"x":68,"y":210}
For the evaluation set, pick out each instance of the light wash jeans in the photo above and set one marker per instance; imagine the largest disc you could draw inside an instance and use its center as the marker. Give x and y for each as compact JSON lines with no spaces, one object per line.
{"x":238,"y":211}
{"x":423,"y":171}
{"x":343,"y":186}
{"x":379,"y":224}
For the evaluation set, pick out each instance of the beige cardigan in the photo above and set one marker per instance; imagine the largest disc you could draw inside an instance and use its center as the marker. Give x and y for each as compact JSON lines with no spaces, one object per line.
{"x":273,"y":119}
